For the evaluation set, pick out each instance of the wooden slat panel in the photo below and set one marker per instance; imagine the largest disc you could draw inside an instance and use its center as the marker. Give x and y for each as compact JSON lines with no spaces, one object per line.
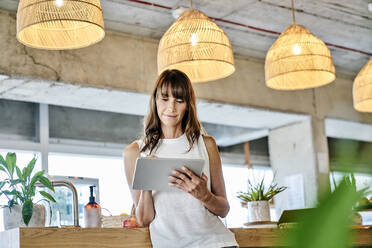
{"x":84,"y":237}
{"x":363,"y":236}
{"x":138,"y":237}
{"x":257,"y":237}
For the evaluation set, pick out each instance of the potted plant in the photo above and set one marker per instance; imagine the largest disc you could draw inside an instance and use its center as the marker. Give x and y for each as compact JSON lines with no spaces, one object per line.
{"x":19,"y":188}
{"x":257,"y":198}
{"x":363,"y":204}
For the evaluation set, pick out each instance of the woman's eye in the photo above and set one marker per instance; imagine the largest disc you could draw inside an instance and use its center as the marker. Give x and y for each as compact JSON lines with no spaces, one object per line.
{"x":164,"y":99}
{"x":179,"y":101}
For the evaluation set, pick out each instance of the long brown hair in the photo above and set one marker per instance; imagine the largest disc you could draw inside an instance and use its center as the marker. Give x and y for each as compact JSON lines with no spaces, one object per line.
{"x":181,"y":88}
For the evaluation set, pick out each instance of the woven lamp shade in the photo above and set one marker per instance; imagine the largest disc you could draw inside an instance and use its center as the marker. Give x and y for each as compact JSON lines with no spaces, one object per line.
{"x":196,"y":46}
{"x":298,"y":60}
{"x":362,"y":89}
{"x":59,"y":24}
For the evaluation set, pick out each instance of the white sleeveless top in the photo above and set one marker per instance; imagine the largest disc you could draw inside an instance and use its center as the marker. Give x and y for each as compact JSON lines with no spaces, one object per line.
{"x":180,"y":219}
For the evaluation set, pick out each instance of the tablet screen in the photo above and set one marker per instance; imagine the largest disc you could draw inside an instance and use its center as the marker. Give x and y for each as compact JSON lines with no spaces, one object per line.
{"x":152,"y":173}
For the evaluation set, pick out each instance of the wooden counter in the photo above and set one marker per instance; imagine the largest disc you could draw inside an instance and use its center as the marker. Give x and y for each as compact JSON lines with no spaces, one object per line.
{"x":137,"y":237}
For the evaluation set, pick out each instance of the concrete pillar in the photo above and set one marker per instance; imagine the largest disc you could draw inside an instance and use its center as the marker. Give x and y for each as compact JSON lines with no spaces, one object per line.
{"x":299,"y":158}
{"x":322,"y":154}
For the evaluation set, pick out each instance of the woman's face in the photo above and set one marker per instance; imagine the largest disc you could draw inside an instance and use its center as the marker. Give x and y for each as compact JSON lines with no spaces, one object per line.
{"x":170,"y":110}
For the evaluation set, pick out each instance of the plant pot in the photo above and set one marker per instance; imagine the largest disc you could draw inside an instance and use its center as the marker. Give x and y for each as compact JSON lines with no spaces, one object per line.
{"x":13,"y":217}
{"x":258,"y":211}
{"x":357,"y":219}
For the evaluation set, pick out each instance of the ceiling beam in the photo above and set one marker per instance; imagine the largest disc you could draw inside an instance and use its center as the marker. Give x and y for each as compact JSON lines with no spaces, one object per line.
{"x":125,"y":102}
{"x":241,"y":138}
{"x":341,"y":129}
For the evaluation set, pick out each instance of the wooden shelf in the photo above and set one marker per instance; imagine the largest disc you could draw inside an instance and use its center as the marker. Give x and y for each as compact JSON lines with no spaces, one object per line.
{"x":139,"y":237}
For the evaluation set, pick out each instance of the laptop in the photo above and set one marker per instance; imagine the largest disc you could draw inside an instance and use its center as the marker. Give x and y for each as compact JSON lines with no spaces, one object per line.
{"x":293,"y":215}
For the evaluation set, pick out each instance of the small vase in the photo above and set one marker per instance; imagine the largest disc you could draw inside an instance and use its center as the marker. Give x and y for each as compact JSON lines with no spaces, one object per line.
{"x":258,"y":211}
{"x":13,"y":217}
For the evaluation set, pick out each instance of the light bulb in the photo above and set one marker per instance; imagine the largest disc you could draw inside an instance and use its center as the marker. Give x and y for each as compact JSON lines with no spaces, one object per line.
{"x":194,"y":39}
{"x":59,"y":3}
{"x":296,"y":49}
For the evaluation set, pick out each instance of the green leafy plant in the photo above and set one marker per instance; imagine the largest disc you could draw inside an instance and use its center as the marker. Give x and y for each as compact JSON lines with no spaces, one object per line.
{"x":258,"y":192}
{"x":19,"y":186}
{"x":329,"y":224}
{"x":363,"y":202}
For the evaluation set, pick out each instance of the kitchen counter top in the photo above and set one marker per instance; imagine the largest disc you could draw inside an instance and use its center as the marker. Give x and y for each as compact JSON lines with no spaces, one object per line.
{"x":137,"y":237}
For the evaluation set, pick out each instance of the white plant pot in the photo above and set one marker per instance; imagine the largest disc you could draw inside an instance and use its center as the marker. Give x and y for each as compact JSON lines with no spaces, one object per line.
{"x":13,"y":218}
{"x":258,"y":211}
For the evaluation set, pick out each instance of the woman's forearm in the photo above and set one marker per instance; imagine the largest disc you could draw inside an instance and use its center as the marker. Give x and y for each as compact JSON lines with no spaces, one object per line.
{"x":216,"y":204}
{"x":145,"y":212}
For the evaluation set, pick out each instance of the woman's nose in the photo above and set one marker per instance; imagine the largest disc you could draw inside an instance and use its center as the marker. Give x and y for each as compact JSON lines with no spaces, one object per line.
{"x":171,"y":105}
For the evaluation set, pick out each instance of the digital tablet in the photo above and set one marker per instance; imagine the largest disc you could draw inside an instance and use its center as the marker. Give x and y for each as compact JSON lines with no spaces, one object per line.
{"x":152,"y":173}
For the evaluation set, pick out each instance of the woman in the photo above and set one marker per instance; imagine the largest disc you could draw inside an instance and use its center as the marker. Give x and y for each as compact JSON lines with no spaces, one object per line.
{"x":186,"y":217}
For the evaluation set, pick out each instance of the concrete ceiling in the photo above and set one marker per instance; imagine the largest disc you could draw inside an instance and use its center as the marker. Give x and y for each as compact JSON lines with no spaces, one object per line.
{"x":338,"y":22}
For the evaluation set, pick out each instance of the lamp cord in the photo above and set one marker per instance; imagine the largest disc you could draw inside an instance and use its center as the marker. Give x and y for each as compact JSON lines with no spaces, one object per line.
{"x":293,"y":14}
{"x":190,"y":4}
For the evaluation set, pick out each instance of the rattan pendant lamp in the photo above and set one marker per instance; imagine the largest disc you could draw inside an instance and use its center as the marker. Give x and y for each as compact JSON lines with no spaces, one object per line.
{"x":196,"y":46}
{"x":298,"y":60}
{"x":59,"y":24}
{"x":362,"y":89}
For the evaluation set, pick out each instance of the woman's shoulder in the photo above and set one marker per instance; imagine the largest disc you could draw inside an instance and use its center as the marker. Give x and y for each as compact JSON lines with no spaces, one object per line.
{"x":209,"y":140}
{"x":132,"y":149}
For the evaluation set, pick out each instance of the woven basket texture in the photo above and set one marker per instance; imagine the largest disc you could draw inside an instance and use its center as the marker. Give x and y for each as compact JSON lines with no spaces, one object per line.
{"x":298,"y":60}
{"x":362,"y":89}
{"x":198,"y":47}
{"x":70,"y":24}
{"x":114,"y":221}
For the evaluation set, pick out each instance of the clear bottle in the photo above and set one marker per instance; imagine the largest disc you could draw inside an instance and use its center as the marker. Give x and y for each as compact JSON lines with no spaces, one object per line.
{"x":92,"y":211}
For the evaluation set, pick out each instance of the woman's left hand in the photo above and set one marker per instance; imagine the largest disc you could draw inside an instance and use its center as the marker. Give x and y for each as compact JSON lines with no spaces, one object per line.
{"x":191,"y":183}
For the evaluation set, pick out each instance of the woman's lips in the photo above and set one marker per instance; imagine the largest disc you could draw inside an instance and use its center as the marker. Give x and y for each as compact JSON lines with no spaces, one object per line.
{"x":170,"y":116}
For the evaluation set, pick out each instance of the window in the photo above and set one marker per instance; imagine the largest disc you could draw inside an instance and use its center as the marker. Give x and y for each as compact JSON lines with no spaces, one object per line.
{"x":63,"y":208}
{"x":114,"y":193}
{"x":23,"y":157}
{"x":236,"y":179}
